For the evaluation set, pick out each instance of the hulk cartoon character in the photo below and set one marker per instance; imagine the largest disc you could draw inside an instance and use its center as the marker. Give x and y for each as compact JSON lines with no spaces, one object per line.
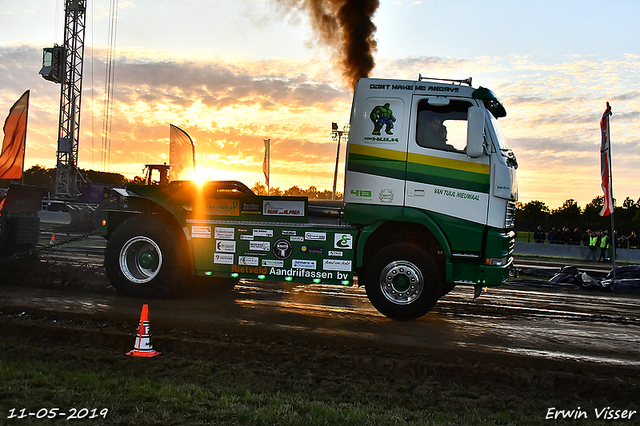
{"x":382,"y":116}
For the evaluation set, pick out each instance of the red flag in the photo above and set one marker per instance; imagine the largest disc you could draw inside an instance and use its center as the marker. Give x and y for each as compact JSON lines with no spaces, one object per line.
{"x":15,"y":137}
{"x":605,"y":163}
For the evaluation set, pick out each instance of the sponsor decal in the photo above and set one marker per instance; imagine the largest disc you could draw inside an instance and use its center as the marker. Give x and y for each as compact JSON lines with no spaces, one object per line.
{"x":456,"y":194}
{"x":226,"y":246}
{"x":259,"y":245}
{"x":244,"y":269}
{"x":303,"y":264}
{"x":251,"y":253}
{"x":224,"y":233}
{"x":396,"y":87}
{"x":282,"y":249}
{"x":200,"y":232}
{"x":443,"y":89}
{"x":221,"y":207}
{"x":243,"y":230}
{"x":315,"y":236}
{"x":263,"y":233}
{"x":386,"y":195}
{"x":246,"y":237}
{"x":297,"y":239}
{"x":251,"y":208}
{"x":361,"y":193}
{"x":273,"y":263}
{"x":289,"y":232}
{"x":380,"y":139}
{"x":343,"y":241}
{"x":382,"y":118}
{"x":282,"y":208}
{"x":336,"y":265}
{"x":335,"y":253}
{"x":223,"y":258}
{"x":311,"y":250}
{"x":247,"y":261}
{"x":305,"y":273}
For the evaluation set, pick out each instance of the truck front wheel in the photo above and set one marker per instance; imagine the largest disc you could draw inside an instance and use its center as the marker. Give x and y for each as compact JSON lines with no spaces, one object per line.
{"x":145,"y":259}
{"x":403,"y":282}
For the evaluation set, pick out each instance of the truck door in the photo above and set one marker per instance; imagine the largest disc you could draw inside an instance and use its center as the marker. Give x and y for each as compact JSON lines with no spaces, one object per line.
{"x":377,"y":150}
{"x":440,"y":176}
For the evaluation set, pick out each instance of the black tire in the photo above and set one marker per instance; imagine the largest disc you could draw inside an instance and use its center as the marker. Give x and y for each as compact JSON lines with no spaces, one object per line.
{"x":403,"y":282}
{"x":447,"y":288}
{"x":147,"y":257}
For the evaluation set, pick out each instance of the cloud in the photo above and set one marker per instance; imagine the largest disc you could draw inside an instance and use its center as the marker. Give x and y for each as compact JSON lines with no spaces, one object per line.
{"x":230,"y":106}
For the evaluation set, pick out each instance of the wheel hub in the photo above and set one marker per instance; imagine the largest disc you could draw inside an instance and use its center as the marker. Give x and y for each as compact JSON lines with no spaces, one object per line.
{"x":147,"y":260}
{"x":401,"y":282}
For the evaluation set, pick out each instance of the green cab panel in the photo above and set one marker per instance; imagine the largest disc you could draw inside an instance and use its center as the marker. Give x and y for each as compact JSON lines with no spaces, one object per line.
{"x":466,"y":245}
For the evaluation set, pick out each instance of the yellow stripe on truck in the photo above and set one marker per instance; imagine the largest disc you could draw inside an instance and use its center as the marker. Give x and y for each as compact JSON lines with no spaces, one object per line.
{"x":449,"y":163}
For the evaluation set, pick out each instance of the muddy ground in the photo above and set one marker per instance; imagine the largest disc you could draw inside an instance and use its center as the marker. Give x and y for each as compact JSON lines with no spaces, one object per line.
{"x":521,"y":350}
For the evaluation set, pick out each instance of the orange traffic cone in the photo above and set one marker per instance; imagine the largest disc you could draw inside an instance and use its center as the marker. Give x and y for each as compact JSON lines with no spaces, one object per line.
{"x":143,"y":346}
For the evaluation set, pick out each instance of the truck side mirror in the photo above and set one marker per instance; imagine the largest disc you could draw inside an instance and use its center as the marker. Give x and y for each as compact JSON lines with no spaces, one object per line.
{"x":475,"y":132}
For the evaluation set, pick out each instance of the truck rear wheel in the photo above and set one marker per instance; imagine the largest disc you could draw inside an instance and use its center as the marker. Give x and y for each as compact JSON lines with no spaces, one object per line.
{"x":403,"y":282}
{"x":146,"y":257}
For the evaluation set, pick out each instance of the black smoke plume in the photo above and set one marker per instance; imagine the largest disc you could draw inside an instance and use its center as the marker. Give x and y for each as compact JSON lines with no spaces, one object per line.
{"x":345,"y":26}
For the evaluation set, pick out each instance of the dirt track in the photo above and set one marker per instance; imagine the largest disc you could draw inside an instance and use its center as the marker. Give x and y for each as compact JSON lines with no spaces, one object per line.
{"x":547,"y":343}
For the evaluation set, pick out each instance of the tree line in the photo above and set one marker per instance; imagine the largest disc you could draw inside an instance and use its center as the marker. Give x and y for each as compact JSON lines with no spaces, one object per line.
{"x":312,"y":192}
{"x":528,"y":215}
{"x":41,"y":176}
{"x":571,"y":216}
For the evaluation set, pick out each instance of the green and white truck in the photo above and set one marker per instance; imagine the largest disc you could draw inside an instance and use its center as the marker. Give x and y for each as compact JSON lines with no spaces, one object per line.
{"x":429,"y":203}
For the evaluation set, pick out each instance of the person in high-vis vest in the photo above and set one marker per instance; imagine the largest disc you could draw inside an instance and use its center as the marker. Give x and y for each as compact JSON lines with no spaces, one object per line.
{"x":604,"y":245}
{"x":593,"y":245}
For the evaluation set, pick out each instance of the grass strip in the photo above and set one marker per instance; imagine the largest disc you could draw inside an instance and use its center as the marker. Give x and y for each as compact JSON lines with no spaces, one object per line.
{"x":174,"y":389}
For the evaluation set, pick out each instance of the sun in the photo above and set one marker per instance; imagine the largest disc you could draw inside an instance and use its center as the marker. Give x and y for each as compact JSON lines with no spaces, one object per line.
{"x":204,"y":174}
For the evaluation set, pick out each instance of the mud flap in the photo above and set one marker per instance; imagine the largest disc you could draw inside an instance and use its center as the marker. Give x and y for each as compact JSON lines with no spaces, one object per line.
{"x":477,"y":291}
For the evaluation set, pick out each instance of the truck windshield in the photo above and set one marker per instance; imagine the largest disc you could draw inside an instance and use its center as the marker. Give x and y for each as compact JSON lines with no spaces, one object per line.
{"x":507,"y":154}
{"x":502,"y":144}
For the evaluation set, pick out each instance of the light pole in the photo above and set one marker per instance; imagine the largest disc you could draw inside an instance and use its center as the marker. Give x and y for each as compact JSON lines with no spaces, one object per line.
{"x":336,"y":135}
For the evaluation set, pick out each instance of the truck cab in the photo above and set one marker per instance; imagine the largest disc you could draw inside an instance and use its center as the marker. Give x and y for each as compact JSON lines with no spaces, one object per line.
{"x":427,"y":166}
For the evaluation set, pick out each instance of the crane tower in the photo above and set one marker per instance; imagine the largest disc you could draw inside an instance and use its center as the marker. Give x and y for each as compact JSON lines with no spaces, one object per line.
{"x":63,"y":64}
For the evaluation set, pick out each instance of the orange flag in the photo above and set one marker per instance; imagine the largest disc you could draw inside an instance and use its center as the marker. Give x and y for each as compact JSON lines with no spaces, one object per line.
{"x":15,"y":137}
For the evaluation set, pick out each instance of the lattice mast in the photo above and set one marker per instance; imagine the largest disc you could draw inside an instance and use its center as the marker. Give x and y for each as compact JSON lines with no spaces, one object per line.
{"x":70,"y":100}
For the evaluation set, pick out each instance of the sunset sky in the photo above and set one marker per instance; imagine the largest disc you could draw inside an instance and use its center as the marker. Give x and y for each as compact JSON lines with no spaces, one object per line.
{"x":234,"y":72}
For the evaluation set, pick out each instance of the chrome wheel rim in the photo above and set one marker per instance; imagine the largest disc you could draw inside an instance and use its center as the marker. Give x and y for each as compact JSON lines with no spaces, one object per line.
{"x":140,"y":259}
{"x":401,"y":282}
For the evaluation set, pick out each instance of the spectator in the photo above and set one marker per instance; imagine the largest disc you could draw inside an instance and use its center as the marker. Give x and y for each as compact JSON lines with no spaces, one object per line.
{"x":593,"y":243}
{"x":539,"y":236}
{"x":552,"y":236}
{"x":634,"y":242}
{"x":576,"y":237}
{"x":604,"y":245}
